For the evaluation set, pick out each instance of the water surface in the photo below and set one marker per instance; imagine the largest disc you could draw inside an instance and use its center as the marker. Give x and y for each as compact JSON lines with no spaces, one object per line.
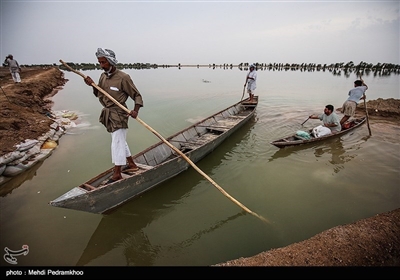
{"x":186,"y":221}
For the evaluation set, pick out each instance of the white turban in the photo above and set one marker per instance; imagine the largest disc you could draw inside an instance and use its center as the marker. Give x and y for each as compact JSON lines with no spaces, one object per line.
{"x":108,"y":54}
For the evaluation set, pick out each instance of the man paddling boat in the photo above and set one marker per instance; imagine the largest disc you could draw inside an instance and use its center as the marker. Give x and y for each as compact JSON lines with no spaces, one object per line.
{"x":120,"y":86}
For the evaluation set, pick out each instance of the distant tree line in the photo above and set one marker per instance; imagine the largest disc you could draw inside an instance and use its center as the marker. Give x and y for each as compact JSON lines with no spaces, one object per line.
{"x":379,"y":69}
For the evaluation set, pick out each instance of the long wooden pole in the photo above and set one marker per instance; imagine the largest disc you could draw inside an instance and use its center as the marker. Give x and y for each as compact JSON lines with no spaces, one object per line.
{"x":170,"y":145}
{"x":366,"y":109}
{"x":366,"y":112}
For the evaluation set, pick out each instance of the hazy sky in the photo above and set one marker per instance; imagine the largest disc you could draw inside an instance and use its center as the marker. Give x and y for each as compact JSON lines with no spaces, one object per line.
{"x":201,"y":32}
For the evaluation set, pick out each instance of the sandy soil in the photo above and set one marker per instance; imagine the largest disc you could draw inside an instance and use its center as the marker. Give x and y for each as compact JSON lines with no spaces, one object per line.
{"x":370,"y":242}
{"x":23,"y":106}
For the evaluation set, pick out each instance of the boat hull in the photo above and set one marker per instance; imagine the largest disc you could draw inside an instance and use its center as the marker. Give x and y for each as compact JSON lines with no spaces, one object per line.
{"x":159,"y":162}
{"x":294,"y":140}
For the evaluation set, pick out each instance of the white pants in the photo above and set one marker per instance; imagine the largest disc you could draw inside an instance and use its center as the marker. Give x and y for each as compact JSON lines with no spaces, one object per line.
{"x":251,"y":91}
{"x":119,"y":148}
{"x":16,"y":77}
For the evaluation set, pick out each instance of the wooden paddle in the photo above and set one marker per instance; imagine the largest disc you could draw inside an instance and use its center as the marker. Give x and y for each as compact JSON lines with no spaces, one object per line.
{"x":366,"y":109}
{"x":305,"y":120}
{"x":244,"y":88}
{"x":170,"y":145}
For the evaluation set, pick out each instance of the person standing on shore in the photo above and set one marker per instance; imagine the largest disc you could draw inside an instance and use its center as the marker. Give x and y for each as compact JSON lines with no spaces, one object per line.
{"x":14,"y":68}
{"x":355,"y":95}
{"x":120,"y":86}
{"x":251,"y":81}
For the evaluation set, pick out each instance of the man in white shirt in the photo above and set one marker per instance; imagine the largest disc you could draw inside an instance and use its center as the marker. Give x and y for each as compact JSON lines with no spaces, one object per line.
{"x":14,"y":68}
{"x":329,"y":118}
{"x":355,"y":95}
{"x":251,"y":82}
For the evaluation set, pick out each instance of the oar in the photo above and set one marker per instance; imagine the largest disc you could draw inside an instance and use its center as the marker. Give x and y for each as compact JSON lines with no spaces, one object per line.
{"x":366,"y":110}
{"x":244,"y":88}
{"x":170,"y":145}
{"x":305,"y":120}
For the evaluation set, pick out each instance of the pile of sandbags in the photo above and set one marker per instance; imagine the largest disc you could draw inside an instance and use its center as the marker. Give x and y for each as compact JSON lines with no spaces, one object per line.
{"x":31,"y":151}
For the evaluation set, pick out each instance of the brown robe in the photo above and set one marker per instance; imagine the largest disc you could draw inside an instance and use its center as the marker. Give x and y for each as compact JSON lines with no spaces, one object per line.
{"x":120,"y":86}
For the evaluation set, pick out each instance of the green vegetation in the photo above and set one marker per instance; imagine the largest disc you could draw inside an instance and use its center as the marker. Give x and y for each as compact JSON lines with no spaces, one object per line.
{"x":379,"y":69}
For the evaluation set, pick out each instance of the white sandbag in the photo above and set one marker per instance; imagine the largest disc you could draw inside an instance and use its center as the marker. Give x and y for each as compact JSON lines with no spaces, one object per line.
{"x":20,"y":160}
{"x":42,"y":155}
{"x":54,"y":125}
{"x":48,"y":136}
{"x":26,"y":145}
{"x":320,"y":131}
{"x":4,"y":179}
{"x":33,"y":151}
{"x":13,"y":170}
{"x":2,"y":168}
{"x":65,"y":121}
{"x":10,"y":157}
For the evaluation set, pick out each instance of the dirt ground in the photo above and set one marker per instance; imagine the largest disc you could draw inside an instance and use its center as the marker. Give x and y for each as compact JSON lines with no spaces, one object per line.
{"x":374,"y":241}
{"x":23,"y":106}
{"x":369,"y":242}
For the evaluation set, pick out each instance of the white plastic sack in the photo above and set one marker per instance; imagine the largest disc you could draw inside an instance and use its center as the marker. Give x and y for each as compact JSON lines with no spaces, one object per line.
{"x":23,"y":146}
{"x":321,"y":131}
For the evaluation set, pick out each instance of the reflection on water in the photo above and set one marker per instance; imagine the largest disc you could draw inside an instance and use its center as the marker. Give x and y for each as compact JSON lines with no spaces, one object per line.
{"x":281,"y":153}
{"x":137,"y":246}
{"x":332,"y":148}
{"x":16,"y":181}
{"x":338,"y":153}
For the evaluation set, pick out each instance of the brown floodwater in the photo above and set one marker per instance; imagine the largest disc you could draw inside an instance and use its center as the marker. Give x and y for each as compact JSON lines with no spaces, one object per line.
{"x":186,"y":221}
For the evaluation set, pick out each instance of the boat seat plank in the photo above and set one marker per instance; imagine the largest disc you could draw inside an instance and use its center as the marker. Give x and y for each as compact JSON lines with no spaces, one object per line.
{"x":237,"y":117}
{"x":205,"y":138}
{"x":225,"y":124}
{"x":90,"y":187}
{"x":190,"y":146}
{"x":200,"y":141}
{"x":217,"y":128}
{"x":144,"y":166}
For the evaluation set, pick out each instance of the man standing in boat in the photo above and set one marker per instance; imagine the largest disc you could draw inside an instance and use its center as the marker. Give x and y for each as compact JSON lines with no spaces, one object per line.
{"x":329,"y":118}
{"x":355,"y":95}
{"x":251,"y":81}
{"x":120,"y":86}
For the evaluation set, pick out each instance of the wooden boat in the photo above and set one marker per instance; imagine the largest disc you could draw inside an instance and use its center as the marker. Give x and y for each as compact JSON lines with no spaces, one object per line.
{"x":295,"y":140}
{"x":159,"y":162}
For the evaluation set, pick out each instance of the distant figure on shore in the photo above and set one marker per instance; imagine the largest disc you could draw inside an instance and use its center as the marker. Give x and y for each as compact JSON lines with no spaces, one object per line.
{"x":251,"y":82}
{"x":14,"y":68}
{"x":355,"y":95}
